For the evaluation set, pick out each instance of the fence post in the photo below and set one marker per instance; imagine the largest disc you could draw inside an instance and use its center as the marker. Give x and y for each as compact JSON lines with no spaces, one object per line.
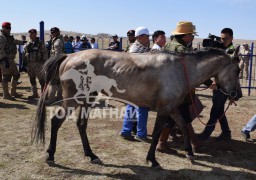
{"x":41,"y":24}
{"x":250,"y":74}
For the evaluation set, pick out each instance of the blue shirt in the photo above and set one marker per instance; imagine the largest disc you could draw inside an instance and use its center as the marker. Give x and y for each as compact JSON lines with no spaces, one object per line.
{"x":68,"y":47}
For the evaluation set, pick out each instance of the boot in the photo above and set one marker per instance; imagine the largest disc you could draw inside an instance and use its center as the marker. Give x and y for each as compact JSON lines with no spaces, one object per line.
{"x":6,"y":94}
{"x":34,"y":93}
{"x":193,"y":138}
{"x":13,"y":90}
{"x":162,"y":143}
{"x":51,"y":95}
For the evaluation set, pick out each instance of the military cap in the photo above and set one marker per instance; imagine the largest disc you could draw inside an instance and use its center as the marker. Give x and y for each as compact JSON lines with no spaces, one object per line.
{"x":6,"y":24}
{"x":32,"y":31}
{"x":131,"y":33}
{"x":115,"y":36}
{"x":55,"y":29}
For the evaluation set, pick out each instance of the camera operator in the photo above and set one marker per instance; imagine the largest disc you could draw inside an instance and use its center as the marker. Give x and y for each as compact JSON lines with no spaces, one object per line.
{"x":218,"y":98}
{"x":222,"y":42}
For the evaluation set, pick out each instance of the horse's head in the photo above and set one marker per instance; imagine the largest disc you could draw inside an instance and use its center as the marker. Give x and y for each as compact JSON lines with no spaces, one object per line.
{"x":228,"y":76}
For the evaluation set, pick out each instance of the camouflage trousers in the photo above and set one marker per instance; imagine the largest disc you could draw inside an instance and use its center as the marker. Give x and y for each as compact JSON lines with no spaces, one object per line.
{"x":10,"y":72}
{"x":35,"y":70}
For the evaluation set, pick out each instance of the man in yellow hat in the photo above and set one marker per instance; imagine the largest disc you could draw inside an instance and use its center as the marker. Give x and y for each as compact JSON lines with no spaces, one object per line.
{"x":183,"y":36}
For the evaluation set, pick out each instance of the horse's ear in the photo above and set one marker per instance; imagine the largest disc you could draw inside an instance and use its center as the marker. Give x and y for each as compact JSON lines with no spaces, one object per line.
{"x":235,"y":55}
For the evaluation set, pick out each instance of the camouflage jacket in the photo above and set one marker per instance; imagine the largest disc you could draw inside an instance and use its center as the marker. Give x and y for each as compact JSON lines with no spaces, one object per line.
{"x":177,"y":45}
{"x":137,"y":47}
{"x":8,"y":45}
{"x":35,"y":51}
{"x":57,"y":46}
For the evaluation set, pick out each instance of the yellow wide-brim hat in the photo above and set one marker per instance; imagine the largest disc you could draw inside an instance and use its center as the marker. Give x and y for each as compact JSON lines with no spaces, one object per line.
{"x":185,"y":27}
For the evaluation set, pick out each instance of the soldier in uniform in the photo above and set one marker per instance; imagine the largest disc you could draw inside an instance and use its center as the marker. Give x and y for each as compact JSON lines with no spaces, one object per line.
{"x":8,"y":50}
{"x":131,"y":39}
{"x":35,"y":54}
{"x":57,"y":47}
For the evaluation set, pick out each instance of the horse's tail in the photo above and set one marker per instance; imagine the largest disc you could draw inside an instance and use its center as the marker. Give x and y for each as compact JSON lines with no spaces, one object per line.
{"x":38,"y":130}
{"x":50,"y":68}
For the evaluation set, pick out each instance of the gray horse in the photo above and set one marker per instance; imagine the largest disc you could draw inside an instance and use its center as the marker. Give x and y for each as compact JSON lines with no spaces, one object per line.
{"x":158,"y":81}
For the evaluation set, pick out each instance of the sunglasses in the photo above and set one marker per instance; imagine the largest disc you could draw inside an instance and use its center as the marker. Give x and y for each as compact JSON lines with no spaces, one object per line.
{"x":7,"y":27}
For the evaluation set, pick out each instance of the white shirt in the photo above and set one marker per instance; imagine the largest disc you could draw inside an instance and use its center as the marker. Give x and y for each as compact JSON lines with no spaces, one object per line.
{"x":155,"y":46}
{"x":94,"y":45}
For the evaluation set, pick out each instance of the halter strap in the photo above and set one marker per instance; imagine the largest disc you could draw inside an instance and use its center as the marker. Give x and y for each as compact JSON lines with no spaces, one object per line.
{"x":193,"y":104}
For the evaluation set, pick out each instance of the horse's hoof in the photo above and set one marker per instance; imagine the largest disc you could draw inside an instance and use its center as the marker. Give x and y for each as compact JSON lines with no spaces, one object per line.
{"x":96,"y":161}
{"x":190,"y":157}
{"x":157,"y":167}
{"x":50,"y":161}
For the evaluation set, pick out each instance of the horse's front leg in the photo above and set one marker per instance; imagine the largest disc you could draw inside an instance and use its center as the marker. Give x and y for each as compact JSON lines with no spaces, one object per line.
{"x":159,"y":124}
{"x":175,"y":114}
{"x":82,"y":125}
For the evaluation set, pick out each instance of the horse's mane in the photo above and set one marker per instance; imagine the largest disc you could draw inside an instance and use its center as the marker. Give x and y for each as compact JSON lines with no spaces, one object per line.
{"x":133,"y":63}
{"x":203,"y":51}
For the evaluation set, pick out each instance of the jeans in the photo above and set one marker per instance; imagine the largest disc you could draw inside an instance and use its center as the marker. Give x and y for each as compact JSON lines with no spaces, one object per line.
{"x":251,"y":125}
{"x":131,"y":114}
{"x":218,"y":104}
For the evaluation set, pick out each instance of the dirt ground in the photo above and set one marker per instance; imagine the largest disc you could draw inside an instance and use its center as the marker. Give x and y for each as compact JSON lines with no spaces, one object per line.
{"x":122,"y":159}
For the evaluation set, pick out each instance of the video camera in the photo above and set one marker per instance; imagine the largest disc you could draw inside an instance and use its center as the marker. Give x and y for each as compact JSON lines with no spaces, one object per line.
{"x":212,"y":41}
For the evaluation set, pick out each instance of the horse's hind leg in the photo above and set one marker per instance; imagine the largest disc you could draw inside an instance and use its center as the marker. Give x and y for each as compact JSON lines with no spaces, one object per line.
{"x":56,"y":123}
{"x":82,"y":125}
{"x":155,"y":137}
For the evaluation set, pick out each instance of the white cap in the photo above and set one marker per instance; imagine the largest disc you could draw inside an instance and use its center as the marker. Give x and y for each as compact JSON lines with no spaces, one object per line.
{"x":141,"y":30}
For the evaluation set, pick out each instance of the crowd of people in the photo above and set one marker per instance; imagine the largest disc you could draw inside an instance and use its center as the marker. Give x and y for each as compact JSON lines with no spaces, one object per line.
{"x":36,"y":52}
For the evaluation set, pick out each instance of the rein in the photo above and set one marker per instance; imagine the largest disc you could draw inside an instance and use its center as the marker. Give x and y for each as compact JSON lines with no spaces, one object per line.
{"x":193,"y":104}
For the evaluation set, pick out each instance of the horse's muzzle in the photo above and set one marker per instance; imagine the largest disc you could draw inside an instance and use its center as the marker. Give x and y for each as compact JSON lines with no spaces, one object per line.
{"x":236,"y":95}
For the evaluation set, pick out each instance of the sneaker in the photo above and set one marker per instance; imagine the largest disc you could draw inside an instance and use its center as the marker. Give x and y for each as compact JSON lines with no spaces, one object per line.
{"x":141,"y":139}
{"x":202,"y":137}
{"x":223,"y":136}
{"x":246,"y":136}
{"x":127,"y":137}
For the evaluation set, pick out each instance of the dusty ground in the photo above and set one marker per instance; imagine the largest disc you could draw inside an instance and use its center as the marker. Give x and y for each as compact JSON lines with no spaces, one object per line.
{"x":122,"y":159}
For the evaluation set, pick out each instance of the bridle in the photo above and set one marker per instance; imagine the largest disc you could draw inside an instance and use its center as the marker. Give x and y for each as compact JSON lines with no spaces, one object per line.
{"x":231,"y":94}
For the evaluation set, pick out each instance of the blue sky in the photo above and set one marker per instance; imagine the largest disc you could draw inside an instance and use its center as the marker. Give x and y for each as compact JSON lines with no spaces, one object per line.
{"x":118,"y":16}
